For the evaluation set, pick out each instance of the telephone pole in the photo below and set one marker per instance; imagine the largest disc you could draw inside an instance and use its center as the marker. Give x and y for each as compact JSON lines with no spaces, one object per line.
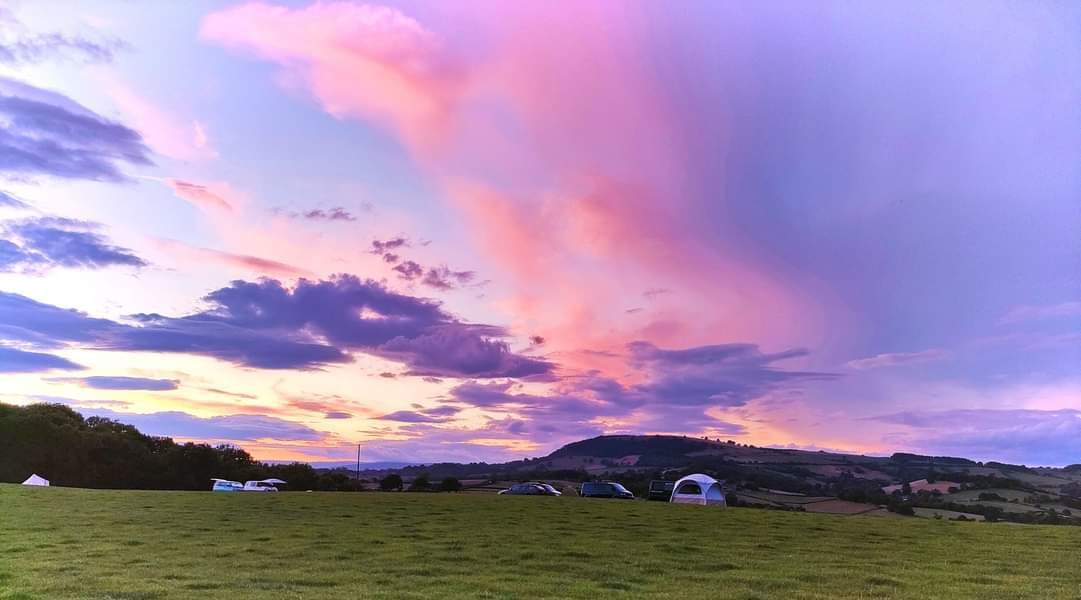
{"x":358,"y":462}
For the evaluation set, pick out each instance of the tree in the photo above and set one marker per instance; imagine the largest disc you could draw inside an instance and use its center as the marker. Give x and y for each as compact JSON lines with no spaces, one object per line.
{"x":450,"y":484}
{"x":391,"y":482}
{"x":420,"y":483}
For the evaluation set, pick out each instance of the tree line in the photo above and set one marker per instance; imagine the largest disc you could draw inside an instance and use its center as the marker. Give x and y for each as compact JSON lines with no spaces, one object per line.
{"x":57,"y":443}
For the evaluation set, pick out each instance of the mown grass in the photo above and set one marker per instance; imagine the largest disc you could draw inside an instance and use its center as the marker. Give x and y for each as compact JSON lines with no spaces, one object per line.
{"x":133,"y":545}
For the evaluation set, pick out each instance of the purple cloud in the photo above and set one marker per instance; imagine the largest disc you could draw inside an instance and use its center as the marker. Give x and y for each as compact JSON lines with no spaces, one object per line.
{"x":45,"y":242}
{"x":266,"y":325}
{"x":461,"y":351}
{"x":409,"y":416}
{"x":227,"y":427}
{"x":32,"y":49}
{"x":336,"y":213}
{"x":13,"y":360}
{"x":409,"y":270}
{"x":720,"y":375}
{"x":48,"y":134}
{"x":337,"y":414}
{"x":20,"y":46}
{"x":1044,"y":437}
{"x":384,"y":246}
{"x":10,"y":201}
{"x":442,"y":278}
{"x":99,"y":382}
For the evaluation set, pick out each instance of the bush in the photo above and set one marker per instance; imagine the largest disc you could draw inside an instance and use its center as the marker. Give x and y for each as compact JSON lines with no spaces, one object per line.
{"x":391,"y":482}
{"x":420,"y":484}
{"x":450,"y":484}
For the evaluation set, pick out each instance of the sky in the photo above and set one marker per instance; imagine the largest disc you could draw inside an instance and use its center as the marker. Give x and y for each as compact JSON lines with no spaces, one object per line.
{"x":477,"y":231}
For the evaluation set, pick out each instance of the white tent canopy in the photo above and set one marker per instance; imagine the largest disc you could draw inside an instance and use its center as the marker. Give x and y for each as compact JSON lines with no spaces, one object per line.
{"x":698,"y":489}
{"x":37,"y":480}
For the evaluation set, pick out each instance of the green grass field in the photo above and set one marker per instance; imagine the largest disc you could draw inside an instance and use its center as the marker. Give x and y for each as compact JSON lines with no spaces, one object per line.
{"x":67,"y":543}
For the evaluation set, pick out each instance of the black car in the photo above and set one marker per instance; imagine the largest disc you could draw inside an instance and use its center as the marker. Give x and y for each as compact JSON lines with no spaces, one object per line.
{"x":661,"y":490}
{"x":531,"y":488}
{"x":605,"y":489}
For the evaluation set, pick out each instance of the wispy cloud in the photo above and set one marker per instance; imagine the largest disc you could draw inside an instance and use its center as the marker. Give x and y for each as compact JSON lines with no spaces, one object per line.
{"x":896,"y":359}
{"x":103,"y":382}
{"x":1035,"y":313}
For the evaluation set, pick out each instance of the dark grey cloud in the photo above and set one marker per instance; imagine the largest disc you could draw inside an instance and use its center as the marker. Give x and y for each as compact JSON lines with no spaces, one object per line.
{"x":13,"y":360}
{"x":42,"y":243}
{"x":337,"y":414}
{"x":102,"y":382}
{"x":48,"y":134}
{"x":266,"y":325}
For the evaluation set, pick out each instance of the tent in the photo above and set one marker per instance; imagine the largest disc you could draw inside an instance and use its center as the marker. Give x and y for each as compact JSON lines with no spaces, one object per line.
{"x":36,"y":480}
{"x":698,"y":489}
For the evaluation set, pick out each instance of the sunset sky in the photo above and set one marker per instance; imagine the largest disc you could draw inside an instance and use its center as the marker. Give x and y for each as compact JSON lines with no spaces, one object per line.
{"x":480,"y":230}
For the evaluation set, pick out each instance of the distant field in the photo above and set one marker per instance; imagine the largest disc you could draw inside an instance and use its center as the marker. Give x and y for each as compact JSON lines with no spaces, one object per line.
{"x":974,"y":495}
{"x":66,"y":543}
{"x":945,"y":514}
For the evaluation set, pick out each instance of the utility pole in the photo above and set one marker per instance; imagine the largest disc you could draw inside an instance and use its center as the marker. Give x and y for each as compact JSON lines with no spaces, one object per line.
{"x":358,"y":462}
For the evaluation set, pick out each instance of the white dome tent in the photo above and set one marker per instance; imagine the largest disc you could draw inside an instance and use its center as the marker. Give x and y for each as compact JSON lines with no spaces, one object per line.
{"x":698,"y":489}
{"x":36,"y":480}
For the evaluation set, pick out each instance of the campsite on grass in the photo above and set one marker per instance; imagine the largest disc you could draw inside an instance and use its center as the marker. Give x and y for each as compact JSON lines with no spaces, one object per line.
{"x":71,"y":543}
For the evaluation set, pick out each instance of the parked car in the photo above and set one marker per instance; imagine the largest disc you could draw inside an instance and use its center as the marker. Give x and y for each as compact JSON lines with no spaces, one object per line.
{"x":605,"y":489}
{"x":661,"y":490}
{"x":531,"y":488}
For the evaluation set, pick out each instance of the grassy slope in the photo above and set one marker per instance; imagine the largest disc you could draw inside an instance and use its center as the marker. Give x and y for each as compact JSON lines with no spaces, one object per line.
{"x":65,"y":543}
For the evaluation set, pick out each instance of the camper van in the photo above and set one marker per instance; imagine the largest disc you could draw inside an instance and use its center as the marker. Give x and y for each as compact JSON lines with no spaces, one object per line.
{"x":263,"y":485}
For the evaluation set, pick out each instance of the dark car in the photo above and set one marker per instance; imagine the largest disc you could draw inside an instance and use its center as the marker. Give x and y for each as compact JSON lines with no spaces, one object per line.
{"x":661,"y":490}
{"x":605,"y":489}
{"x":531,"y":488}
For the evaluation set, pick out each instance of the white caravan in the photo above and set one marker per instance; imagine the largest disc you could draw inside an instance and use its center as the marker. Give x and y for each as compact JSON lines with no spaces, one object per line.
{"x":263,"y":485}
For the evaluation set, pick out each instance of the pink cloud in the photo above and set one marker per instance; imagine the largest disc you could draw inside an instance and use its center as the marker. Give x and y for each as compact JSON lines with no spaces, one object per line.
{"x":166,"y":133}
{"x":357,"y":60}
{"x":592,"y":205}
{"x":203,"y":195}
{"x":246,"y":262}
